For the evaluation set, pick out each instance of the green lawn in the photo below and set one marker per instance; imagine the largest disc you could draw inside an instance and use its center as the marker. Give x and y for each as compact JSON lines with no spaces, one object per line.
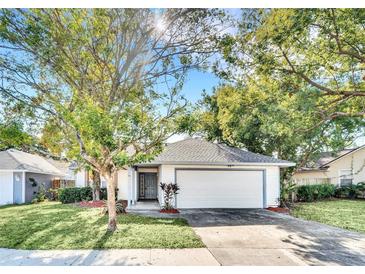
{"x":57,"y":226}
{"x":347,"y":214}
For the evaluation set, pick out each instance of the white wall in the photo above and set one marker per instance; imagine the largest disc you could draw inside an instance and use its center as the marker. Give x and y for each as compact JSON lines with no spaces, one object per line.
{"x":80,"y":178}
{"x":123,"y":184}
{"x":272,"y":186}
{"x":6,"y":188}
{"x":167,"y":175}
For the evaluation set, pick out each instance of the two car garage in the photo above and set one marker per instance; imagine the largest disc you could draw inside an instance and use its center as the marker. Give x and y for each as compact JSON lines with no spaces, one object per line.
{"x":221,"y":188}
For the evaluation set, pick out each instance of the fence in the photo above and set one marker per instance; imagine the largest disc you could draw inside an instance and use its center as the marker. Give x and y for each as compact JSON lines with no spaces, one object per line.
{"x":62,"y":183}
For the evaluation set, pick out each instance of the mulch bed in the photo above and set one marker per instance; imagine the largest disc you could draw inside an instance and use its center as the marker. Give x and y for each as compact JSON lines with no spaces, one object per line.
{"x":279,"y":210}
{"x":170,"y":211}
{"x":91,"y":204}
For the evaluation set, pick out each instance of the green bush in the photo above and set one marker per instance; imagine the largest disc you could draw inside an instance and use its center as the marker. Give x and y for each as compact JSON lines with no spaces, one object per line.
{"x":74,"y":194}
{"x":310,"y":193}
{"x":351,"y":191}
{"x":104,"y":194}
{"x":86,"y":193}
{"x":77,"y":194}
{"x":52,"y":194}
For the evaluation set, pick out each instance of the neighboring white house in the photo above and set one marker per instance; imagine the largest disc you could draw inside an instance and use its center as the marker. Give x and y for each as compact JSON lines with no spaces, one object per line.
{"x":21,"y":175}
{"x":346,"y":167}
{"x":209,"y":175}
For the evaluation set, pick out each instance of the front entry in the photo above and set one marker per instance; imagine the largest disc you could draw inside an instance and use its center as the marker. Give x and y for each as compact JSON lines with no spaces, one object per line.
{"x":147,"y":186}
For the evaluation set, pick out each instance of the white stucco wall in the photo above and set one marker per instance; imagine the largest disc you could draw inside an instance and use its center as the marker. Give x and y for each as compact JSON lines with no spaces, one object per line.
{"x":167,"y":175}
{"x":6,"y":187}
{"x":123,"y":187}
{"x":80,"y":178}
{"x":354,"y":161}
{"x":272,"y":186}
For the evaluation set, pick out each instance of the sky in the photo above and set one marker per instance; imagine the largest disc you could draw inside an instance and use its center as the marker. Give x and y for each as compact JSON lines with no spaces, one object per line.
{"x":196,"y":82}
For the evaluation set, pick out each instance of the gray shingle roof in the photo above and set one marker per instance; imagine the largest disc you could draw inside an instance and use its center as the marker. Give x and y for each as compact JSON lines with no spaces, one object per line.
{"x":197,"y":151}
{"x":13,"y":159}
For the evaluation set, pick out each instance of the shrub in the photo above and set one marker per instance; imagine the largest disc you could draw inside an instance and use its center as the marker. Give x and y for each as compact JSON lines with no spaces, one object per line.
{"x":169,"y":191}
{"x":104,"y":194}
{"x":78,"y":194}
{"x":53,"y":194}
{"x":351,"y":191}
{"x":74,"y":194}
{"x":86,"y":193}
{"x":120,"y":206}
{"x":286,"y":191}
{"x":40,"y":195}
{"x":310,"y":193}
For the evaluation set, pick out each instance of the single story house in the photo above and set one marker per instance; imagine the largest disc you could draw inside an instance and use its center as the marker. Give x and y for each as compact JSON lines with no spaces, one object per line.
{"x":22,"y":174}
{"x":210,"y":175}
{"x":341,"y":169}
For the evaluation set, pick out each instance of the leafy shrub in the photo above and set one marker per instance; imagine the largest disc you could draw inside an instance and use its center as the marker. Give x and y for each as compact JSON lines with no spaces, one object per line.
{"x":52,"y":194}
{"x":169,"y":191}
{"x":120,"y":206}
{"x":74,"y":194}
{"x":78,"y":194}
{"x":86,"y":193}
{"x":351,"y":191}
{"x":286,"y":191}
{"x":104,"y":194}
{"x":310,"y":193}
{"x":341,"y":192}
{"x":40,"y":195}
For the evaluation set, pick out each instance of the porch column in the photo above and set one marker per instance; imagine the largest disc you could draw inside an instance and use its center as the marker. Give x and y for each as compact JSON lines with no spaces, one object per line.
{"x":132,"y":185}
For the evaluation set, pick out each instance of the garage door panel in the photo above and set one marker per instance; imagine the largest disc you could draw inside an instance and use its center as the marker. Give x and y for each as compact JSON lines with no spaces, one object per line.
{"x":219,"y":189}
{"x":6,"y":188}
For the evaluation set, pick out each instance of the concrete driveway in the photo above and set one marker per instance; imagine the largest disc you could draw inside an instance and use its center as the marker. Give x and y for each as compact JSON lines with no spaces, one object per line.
{"x":261,"y":237}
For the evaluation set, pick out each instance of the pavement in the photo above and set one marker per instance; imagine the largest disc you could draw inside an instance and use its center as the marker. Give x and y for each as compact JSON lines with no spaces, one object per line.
{"x":120,"y":257}
{"x":261,"y":237}
{"x":232,"y":237}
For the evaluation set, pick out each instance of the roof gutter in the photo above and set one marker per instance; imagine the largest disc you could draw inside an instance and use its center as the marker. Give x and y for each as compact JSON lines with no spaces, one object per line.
{"x":289,"y":164}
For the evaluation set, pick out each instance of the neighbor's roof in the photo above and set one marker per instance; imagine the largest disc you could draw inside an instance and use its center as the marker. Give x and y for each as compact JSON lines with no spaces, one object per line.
{"x":327,"y":158}
{"x":198,"y":151}
{"x":342,"y":154}
{"x":13,"y":159}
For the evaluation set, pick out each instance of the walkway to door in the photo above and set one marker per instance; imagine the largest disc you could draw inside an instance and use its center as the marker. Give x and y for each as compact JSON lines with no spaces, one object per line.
{"x":145,"y":205}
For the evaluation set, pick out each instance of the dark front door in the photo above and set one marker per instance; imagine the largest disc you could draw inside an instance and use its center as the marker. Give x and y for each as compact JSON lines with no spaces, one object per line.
{"x":147,"y":186}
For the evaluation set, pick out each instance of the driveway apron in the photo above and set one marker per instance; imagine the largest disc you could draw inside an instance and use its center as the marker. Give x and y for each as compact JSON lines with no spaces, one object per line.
{"x":262,"y":237}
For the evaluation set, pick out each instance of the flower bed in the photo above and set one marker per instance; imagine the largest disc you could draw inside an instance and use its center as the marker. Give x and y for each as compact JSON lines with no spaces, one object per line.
{"x":279,"y":209}
{"x":169,"y":211}
{"x":92,"y":204}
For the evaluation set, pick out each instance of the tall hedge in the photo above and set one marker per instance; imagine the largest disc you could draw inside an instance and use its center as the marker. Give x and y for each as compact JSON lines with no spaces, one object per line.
{"x":78,"y":194}
{"x":310,"y":193}
{"x":75,"y":194}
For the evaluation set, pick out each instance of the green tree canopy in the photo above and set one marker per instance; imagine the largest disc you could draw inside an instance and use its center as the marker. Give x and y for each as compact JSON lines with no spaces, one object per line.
{"x":295,"y":83}
{"x":105,"y":82}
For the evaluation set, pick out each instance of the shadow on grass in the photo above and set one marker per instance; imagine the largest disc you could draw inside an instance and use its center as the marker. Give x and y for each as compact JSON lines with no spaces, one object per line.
{"x":103,"y":239}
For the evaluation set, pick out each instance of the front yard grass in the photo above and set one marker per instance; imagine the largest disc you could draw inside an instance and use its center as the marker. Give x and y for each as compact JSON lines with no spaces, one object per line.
{"x":347,"y":214}
{"x":56,"y":226}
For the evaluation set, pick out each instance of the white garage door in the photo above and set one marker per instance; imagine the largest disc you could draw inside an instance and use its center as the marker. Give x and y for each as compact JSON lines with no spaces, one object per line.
{"x":219,"y":188}
{"x":6,"y":188}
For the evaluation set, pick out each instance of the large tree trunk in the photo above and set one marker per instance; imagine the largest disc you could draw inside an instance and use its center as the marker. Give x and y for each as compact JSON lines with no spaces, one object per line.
{"x":111,"y":183}
{"x":96,"y":185}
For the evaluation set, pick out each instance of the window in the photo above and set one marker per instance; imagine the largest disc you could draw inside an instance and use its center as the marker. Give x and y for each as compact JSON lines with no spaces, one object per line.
{"x":346,"y":177}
